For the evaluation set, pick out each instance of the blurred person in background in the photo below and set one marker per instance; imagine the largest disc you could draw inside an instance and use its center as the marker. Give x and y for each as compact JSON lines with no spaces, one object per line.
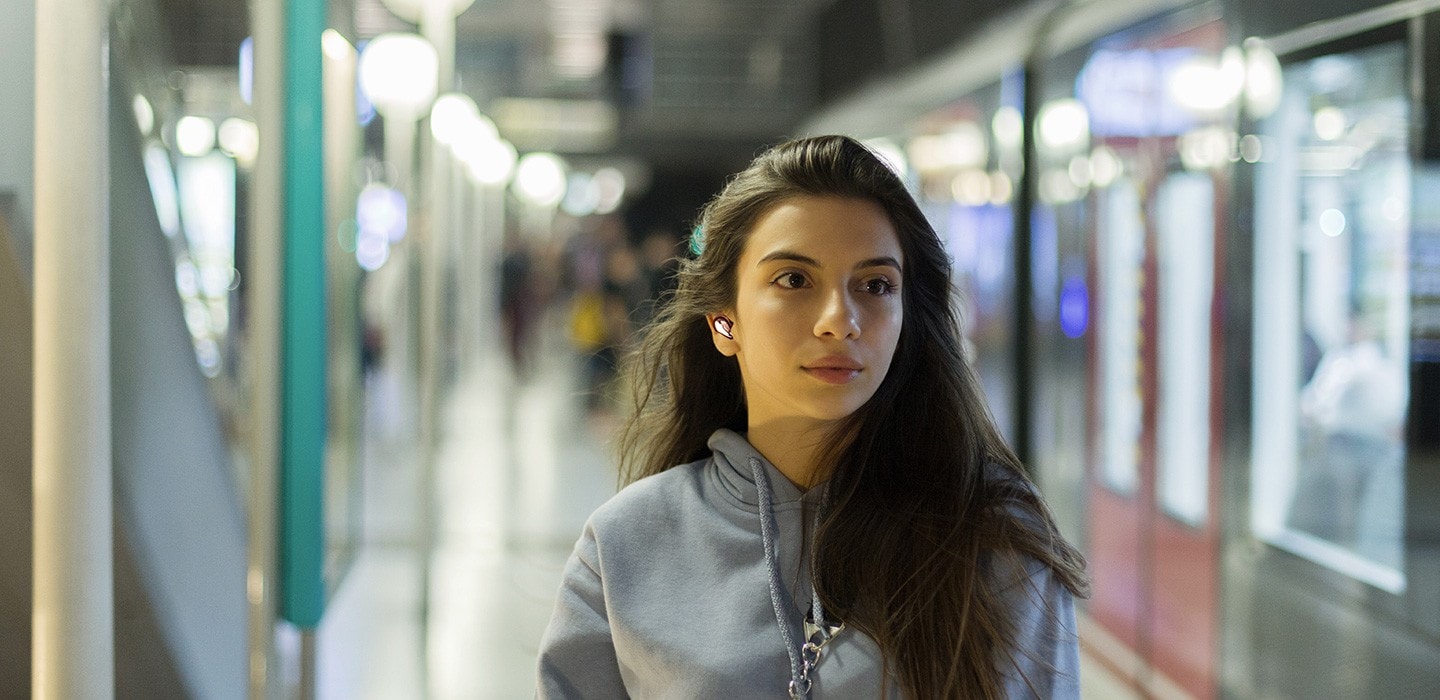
{"x":817,"y":499}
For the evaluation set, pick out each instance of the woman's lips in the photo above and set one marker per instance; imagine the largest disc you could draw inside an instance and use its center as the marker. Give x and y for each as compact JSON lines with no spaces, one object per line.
{"x":834,"y":370}
{"x":833,"y":375}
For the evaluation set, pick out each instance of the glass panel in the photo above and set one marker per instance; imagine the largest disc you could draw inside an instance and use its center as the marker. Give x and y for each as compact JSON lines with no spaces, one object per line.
{"x":1185,"y":224}
{"x":1332,"y":315}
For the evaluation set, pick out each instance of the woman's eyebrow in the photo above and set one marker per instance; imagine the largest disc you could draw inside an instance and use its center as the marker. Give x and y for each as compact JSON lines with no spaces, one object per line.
{"x":792,"y":256}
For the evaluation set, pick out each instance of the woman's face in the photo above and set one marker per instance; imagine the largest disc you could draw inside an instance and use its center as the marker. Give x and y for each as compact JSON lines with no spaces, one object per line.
{"x":817,"y":310}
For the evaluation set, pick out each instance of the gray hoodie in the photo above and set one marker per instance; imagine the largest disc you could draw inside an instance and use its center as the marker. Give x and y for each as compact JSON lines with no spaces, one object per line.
{"x":666,"y":596}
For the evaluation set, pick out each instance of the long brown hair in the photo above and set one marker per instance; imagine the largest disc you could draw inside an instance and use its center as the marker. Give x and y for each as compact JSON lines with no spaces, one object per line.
{"x":925,"y":500}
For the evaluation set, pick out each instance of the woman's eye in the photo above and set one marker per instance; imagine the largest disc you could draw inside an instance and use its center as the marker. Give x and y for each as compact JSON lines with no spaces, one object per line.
{"x":791,"y":280}
{"x":879,"y":287}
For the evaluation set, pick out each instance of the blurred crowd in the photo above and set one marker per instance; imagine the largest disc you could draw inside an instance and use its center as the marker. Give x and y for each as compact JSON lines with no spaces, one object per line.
{"x":604,"y":281}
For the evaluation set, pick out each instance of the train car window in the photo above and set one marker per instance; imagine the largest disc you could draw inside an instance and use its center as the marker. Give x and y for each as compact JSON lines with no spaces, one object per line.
{"x":1121,"y":256}
{"x":1332,"y":318}
{"x":1185,"y":233}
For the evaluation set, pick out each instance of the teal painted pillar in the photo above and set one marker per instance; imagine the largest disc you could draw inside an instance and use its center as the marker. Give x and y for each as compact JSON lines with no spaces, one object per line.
{"x":302,"y":477}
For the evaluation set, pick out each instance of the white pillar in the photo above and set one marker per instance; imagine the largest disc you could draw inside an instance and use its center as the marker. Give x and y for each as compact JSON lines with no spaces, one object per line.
{"x":262,"y":289}
{"x":73,"y":654}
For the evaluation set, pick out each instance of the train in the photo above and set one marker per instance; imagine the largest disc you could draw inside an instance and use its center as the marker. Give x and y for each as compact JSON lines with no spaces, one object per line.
{"x":1197,"y":246}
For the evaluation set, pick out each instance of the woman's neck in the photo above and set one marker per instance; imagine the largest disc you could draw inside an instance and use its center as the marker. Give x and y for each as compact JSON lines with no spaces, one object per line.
{"x":793,"y":448}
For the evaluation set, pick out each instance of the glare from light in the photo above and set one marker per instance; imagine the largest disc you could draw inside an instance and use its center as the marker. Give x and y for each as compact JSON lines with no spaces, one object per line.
{"x":491,"y":162}
{"x":889,"y":154}
{"x":1393,"y":208}
{"x":1008,"y":127}
{"x":1205,"y":85}
{"x":1105,"y":166}
{"x":1264,"y":80}
{"x":611,"y":185}
{"x":971,"y":187}
{"x":1001,"y":188}
{"x":1206,"y":147}
{"x":1332,"y":222}
{"x":413,"y":11}
{"x":371,"y":252}
{"x":452,"y":115}
{"x":144,"y":115}
{"x":240,"y":139}
{"x":207,"y":353}
{"x":582,"y":195}
{"x":540,"y":179}
{"x":399,"y":73}
{"x":1079,"y":171}
{"x":335,"y":46}
{"x":1251,"y":148}
{"x":1064,"y":125}
{"x":195,"y":136}
{"x":246,"y":70}
{"x":187,"y":278}
{"x":963,"y":146}
{"x":163,"y":189}
{"x":1329,"y":123}
{"x":380,"y":212}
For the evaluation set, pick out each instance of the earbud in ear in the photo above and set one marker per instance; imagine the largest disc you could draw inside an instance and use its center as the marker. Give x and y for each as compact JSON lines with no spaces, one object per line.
{"x":723,"y":325}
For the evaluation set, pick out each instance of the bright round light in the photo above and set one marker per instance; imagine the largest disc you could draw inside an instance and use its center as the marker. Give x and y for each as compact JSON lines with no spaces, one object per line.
{"x":195,"y":136}
{"x":1001,"y":188}
{"x":144,"y":115}
{"x":1105,"y":166}
{"x":540,"y":179}
{"x":1008,"y":127}
{"x":1329,"y":123}
{"x":399,"y":72}
{"x":413,"y":11}
{"x":1332,"y":222}
{"x":1264,"y":80}
{"x":971,"y":188}
{"x":1205,"y":85}
{"x":1064,"y":125}
{"x":490,"y":162}
{"x":582,"y":195}
{"x":380,"y":213}
{"x":611,"y":184}
{"x":240,"y":139}
{"x":1251,"y":148}
{"x":452,"y":115}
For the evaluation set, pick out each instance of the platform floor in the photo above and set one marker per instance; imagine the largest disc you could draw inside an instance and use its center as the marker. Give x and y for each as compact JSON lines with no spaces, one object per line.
{"x":521,"y":466}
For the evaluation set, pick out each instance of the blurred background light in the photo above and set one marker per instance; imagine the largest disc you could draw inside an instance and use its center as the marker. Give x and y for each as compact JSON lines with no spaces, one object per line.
{"x":452,"y":115}
{"x":398,"y":72}
{"x":610,"y":184}
{"x":540,"y":179}
{"x":144,"y":114}
{"x":195,"y":136}
{"x":380,"y":211}
{"x":240,"y":139}
{"x":1064,"y":125}
{"x":890,"y":154}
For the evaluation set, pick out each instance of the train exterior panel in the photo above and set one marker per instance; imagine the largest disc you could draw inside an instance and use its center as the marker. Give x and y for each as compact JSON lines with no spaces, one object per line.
{"x":1199,"y":269}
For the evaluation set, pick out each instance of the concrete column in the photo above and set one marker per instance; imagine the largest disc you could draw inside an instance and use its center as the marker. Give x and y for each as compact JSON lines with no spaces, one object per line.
{"x":73,"y":626}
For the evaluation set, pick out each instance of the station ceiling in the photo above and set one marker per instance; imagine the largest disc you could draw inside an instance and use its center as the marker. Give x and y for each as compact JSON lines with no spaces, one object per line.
{"x":686,"y":81}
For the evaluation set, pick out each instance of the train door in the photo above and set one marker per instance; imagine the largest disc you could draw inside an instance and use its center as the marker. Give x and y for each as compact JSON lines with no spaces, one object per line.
{"x":1331,"y":589}
{"x":1145,"y":196}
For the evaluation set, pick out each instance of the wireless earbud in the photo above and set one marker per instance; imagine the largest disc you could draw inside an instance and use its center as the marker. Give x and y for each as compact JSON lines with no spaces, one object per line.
{"x":723,"y":325}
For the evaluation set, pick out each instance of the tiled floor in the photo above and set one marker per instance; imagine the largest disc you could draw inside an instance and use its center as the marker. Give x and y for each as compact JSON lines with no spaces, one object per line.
{"x":520,"y":468}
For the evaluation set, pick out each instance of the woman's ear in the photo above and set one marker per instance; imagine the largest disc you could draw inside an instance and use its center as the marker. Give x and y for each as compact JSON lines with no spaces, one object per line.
{"x":722,"y":333}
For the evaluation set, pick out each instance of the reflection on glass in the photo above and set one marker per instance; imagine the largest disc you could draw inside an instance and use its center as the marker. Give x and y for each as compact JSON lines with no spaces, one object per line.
{"x":1121,"y":254}
{"x":1332,"y":315}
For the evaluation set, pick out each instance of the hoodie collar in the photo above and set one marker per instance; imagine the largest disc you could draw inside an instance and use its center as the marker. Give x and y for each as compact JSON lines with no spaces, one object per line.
{"x":732,"y":460}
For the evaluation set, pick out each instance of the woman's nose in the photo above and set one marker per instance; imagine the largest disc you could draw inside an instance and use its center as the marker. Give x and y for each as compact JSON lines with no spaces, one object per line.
{"x":838,"y":318}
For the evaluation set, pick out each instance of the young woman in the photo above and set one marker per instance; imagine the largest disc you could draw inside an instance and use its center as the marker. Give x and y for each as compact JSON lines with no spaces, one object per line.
{"x":818,"y":501}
